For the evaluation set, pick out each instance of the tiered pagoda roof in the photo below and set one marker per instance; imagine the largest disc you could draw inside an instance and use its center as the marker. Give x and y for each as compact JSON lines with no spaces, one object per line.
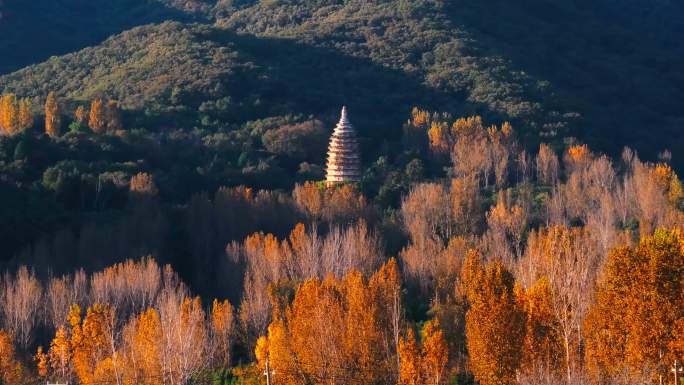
{"x":344,"y":160}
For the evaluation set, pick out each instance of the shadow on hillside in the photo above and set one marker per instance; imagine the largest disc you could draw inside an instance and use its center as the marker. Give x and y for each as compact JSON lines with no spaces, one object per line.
{"x":290,"y":77}
{"x":34,"y":30}
{"x":618,"y":66}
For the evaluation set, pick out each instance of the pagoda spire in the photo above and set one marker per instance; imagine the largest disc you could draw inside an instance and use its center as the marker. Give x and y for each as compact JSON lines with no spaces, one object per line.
{"x":344,"y":160}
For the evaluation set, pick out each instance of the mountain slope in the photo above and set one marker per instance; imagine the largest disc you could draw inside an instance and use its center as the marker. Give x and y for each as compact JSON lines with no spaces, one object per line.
{"x":34,"y":30}
{"x":605,"y":73}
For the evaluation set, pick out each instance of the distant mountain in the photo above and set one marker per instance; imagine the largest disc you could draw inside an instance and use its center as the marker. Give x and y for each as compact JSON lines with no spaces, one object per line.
{"x":615,"y":63}
{"x":34,"y":30}
{"x":607,"y":72}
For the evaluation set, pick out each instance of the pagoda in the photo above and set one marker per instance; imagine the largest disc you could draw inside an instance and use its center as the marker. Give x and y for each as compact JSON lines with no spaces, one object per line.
{"x":344,"y":160}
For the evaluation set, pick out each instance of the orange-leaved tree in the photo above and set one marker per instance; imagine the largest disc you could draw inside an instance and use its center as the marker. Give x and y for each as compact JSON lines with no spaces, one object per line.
{"x":11,"y":371}
{"x":638,"y":313}
{"x":426,"y":364}
{"x":53,"y":115}
{"x":543,"y":353}
{"x":334,"y":331}
{"x":97,"y":119}
{"x":495,"y":324}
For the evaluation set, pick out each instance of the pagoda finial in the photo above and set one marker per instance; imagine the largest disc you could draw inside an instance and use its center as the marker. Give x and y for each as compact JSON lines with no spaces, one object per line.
{"x":343,"y":115}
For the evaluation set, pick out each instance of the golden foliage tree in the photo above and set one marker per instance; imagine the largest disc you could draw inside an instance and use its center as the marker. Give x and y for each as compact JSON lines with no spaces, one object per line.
{"x":8,"y":113}
{"x":16,"y":115}
{"x":53,"y":115}
{"x":142,"y":185}
{"x":60,"y":354}
{"x":91,"y":342}
{"x":495,"y":325}
{"x":332,"y":333}
{"x":97,"y":119}
{"x":435,"y":353}
{"x":143,"y":336}
{"x":222,"y":322}
{"x":638,"y":310}
{"x":425,"y":364}
{"x":26,"y":118}
{"x":11,"y":371}
{"x":341,"y":204}
{"x":543,"y":347}
{"x":411,"y":372}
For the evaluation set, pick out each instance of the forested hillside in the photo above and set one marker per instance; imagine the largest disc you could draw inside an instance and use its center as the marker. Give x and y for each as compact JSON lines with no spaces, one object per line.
{"x":554,"y":68}
{"x":166,"y":216}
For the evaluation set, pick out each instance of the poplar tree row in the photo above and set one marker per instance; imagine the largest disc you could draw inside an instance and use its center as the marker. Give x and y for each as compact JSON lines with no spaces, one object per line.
{"x":17,"y":115}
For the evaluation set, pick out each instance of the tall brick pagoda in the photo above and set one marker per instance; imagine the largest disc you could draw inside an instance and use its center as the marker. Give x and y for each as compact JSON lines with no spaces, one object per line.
{"x":344,"y":159}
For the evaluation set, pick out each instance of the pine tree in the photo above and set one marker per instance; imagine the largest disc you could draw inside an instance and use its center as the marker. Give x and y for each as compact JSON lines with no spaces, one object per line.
{"x":53,"y":116}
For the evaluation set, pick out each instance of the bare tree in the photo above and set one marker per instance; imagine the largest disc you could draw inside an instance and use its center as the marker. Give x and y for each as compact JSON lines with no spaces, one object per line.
{"x":185,"y":349}
{"x":21,"y":301}
{"x":547,"y":165}
{"x":62,"y":293}
{"x":569,"y":258}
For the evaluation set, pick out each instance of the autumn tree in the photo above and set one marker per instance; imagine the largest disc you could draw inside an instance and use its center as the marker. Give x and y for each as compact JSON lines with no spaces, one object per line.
{"x":184,"y":344}
{"x":305,"y":254}
{"x":339,"y":205}
{"x":26,"y":117}
{"x":129,"y":287}
{"x":222,"y":324}
{"x":21,"y":297}
{"x":80,"y":115}
{"x":495,"y":324}
{"x":543,"y":349}
{"x":62,"y":293}
{"x":411,"y":372}
{"x":53,"y":115}
{"x":11,"y":371}
{"x":424,"y":364}
{"x":16,"y":115}
{"x":332,"y":333}
{"x":435,"y":353}
{"x":60,"y":354}
{"x":506,"y":221}
{"x":638,"y":308}
{"x":9,"y":113}
{"x":97,"y":118}
{"x":91,"y":342}
{"x":142,"y":351}
{"x":142,"y":186}
{"x":570,"y":261}
{"x":547,"y":165}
